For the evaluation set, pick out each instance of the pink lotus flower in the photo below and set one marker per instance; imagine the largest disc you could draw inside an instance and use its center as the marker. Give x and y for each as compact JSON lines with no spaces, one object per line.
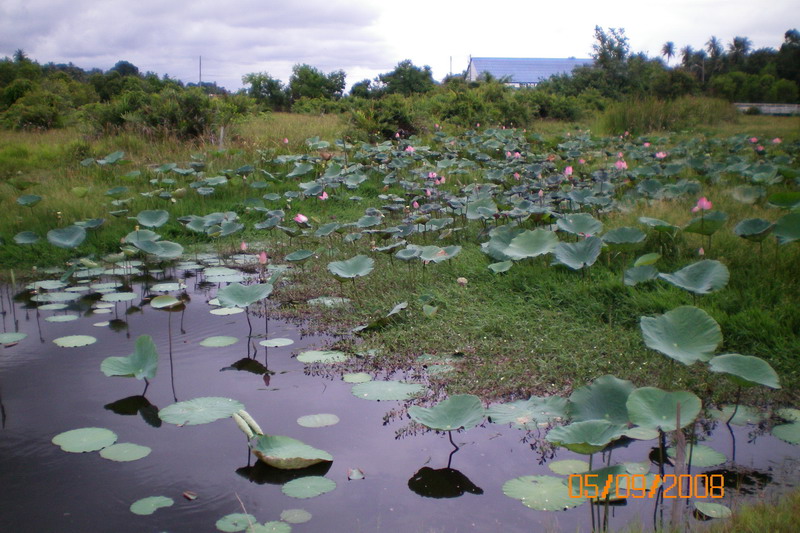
{"x":517,"y":155}
{"x":415,"y":204}
{"x":754,"y":140}
{"x":621,"y":164}
{"x":516,"y":176}
{"x":646,"y":145}
{"x":581,"y":161}
{"x":323,"y":196}
{"x":427,"y":192}
{"x":285,"y":140}
{"x":397,"y":135}
{"x":759,"y":148}
{"x":541,"y":193}
{"x":508,"y":154}
{"x":661,"y":155}
{"x":262,"y":258}
{"x":776,"y":140}
{"x":432,"y":175}
{"x":701,"y":252}
{"x":243,"y":246}
{"x":620,"y":155}
{"x":568,"y":171}
{"x":702,"y":205}
{"x":478,"y":125}
{"x":436,"y":126}
{"x":409,"y":148}
{"x":300,"y":218}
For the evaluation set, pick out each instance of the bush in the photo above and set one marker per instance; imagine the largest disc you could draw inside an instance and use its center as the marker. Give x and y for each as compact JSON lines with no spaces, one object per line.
{"x":652,"y":114}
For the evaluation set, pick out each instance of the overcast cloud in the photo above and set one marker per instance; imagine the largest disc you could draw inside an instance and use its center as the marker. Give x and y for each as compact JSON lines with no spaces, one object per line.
{"x":361,"y":37}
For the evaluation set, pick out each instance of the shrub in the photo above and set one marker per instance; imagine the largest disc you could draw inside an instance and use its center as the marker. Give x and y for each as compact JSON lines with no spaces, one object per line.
{"x":652,"y":114}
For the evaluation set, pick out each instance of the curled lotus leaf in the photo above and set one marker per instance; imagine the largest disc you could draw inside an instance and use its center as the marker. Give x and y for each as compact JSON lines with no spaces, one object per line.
{"x":69,"y":237}
{"x":287,"y":453}
{"x":702,"y":277}
{"x":357,"y":266}
{"x":746,"y":370}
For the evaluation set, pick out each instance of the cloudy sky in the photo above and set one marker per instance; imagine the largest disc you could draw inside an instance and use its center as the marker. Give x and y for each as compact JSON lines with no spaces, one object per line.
{"x":362,"y":37}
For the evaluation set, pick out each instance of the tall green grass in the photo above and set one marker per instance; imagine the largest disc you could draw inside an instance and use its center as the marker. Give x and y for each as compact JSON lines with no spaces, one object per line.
{"x":652,"y":114}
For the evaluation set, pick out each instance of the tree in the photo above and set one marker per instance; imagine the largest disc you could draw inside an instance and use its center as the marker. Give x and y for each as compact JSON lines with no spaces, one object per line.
{"x":267,"y":90}
{"x":714,"y":47}
{"x":362,"y":89}
{"x":125,"y":68}
{"x":668,"y":50}
{"x":686,"y":56}
{"x":309,"y":82}
{"x":407,"y":79}
{"x":610,"y":54}
{"x":738,"y":49}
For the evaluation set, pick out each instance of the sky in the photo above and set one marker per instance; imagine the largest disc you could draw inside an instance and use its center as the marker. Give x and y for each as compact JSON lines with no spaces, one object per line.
{"x":362,"y":37}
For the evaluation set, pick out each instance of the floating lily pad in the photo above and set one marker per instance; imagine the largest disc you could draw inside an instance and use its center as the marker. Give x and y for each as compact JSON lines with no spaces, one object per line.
{"x":164,"y":301}
{"x":199,"y":411}
{"x":287,"y":453}
{"x":318,"y":421}
{"x":125,"y":452}
{"x":273,"y":526}
{"x":226,"y":311}
{"x":85,"y":439}
{"x":322,"y":356}
{"x":702,"y":455}
{"x":387,"y":390}
{"x":308,"y":487}
{"x":789,"y":414}
{"x":460,"y":411}
{"x":686,"y":334}
{"x":713,"y":510}
{"x":542,"y":493}
{"x":235,"y":522}
{"x":11,"y":338}
{"x":359,"y":377}
{"x":276,"y":343}
{"x":295,"y":516}
{"x":788,"y":432}
{"x":119,"y":296}
{"x":528,"y":414}
{"x":74,"y":341}
{"x":60,"y":318}
{"x":141,"y":364}
{"x":167,"y":287}
{"x":654,"y":408}
{"x":744,"y":415}
{"x":569,"y":466}
{"x":329,"y":301}
{"x":219,"y":341}
{"x":151,"y":504}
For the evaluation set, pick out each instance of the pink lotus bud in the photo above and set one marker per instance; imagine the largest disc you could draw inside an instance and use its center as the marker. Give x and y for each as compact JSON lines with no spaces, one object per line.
{"x":568,"y":171}
{"x":759,"y":148}
{"x":478,"y":125}
{"x":300,"y":218}
{"x":516,"y":176}
{"x":427,"y":192}
{"x":661,"y":155}
{"x":262,"y":258}
{"x":621,"y":164}
{"x":243,"y":246}
{"x":409,"y":148}
{"x":581,"y":161}
{"x":701,"y":251}
{"x":415,"y":204}
{"x":646,"y":145}
{"x":508,"y":154}
{"x":754,"y":140}
{"x":285,"y":140}
{"x":776,"y":140}
{"x":397,"y":135}
{"x":702,"y":205}
{"x":436,"y":126}
{"x":517,"y":155}
{"x":541,"y":193}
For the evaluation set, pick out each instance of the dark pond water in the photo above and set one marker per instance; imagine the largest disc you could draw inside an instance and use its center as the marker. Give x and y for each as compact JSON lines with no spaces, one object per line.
{"x":46,"y":389}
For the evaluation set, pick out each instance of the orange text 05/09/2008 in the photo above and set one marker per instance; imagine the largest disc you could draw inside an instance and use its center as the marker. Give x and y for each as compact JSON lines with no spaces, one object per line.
{"x":620,"y":486}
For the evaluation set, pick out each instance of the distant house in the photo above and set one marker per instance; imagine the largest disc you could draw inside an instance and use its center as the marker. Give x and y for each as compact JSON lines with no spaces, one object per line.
{"x":522,"y":72}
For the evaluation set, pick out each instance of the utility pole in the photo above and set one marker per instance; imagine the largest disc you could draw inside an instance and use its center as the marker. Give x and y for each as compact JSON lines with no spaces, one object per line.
{"x":200,"y":71}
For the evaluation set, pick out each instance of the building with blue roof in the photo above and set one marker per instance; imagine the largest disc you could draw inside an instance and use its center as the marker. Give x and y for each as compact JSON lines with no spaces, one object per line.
{"x":522,"y":72}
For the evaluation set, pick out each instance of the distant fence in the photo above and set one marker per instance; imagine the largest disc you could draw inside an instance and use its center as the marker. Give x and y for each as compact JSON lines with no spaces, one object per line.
{"x":771,"y":109}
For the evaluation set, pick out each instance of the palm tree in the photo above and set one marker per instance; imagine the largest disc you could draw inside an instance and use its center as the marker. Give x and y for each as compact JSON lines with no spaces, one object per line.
{"x":668,"y":50}
{"x":739,"y":48}
{"x":714,"y":47}
{"x":686,"y":56}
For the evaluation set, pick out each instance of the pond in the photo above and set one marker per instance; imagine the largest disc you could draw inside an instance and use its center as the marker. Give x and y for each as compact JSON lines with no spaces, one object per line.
{"x":413,"y":479}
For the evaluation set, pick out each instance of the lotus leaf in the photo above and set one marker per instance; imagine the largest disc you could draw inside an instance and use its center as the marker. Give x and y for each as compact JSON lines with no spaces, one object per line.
{"x":139,"y":236}
{"x":659,"y":225}
{"x":501,"y":237}
{"x":323,"y":356}
{"x":151,"y":504}
{"x":329,"y":301}
{"x":586,"y":437}
{"x":273,"y":526}
{"x":308,"y":487}
{"x":501,"y":267}
{"x":238,"y":295}
{"x":287,"y":453}
{"x":747,"y":194}
{"x":60,"y":318}
{"x":69,"y":237}
{"x":219,"y":341}
{"x":542,"y":493}
{"x":235,"y":522}
{"x":276,"y":343}
{"x":85,"y":439}
{"x":640,"y":274}
{"x":26,"y":237}
{"x":119,"y":296}
{"x":359,"y":377}
{"x":74,"y":341}
{"x":299,"y":256}
{"x":528,"y":414}
{"x":784,"y":200}
{"x":579,"y":254}
{"x":788,"y":432}
{"x":702,"y":277}
{"x":29,"y":200}
{"x":580,"y":224}
{"x":787,"y":228}
{"x":152,"y":218}
{"x":295,"y":516}
{"x":707,"y":224}
{"x":125,"y":452}
{"x":387,"y":390}
{"x":357,"y":266}
{"x":625,"y":239}
{"x":744,"y":415}
{"x":481,"y":208}
{"x":701,"y":455}
{"x":604,"y":399}
{"x":164,"y":301}
{"x":161,"y":249}
{"x":746,"y":370}
{"x":318,"y":421}
{"x":11,"y":338}
{"x":199,"y":411}
{"x":754,"y":229}
{"x":568,"y":467}
{"x":712,"y":510}
{"x":141,"y":364}
{"x":531,"y":244}
{"x":686,"y":333}
{"x":647,"y":259}
{"x":654,"y":408}
{"x":55,"y":297}
{"x":459,"y":411}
